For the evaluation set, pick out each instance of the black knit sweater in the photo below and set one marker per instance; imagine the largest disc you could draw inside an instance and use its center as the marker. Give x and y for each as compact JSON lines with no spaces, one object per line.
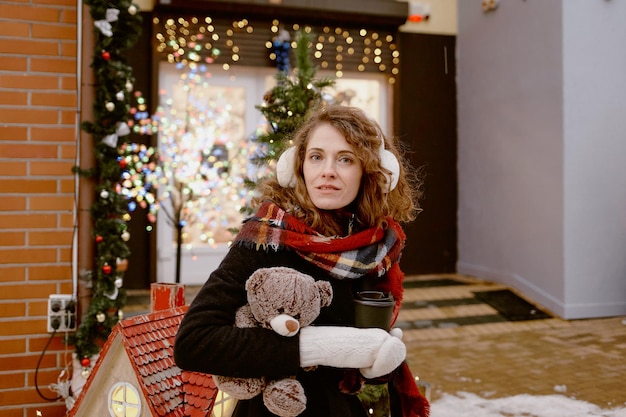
{"x":207,"y":341}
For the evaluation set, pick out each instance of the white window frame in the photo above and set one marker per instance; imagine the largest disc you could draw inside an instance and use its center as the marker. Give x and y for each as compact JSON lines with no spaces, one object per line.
{"x":125,"y":386}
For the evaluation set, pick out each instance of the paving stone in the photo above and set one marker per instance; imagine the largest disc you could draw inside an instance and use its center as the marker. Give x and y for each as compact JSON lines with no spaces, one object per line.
{"x":582,"y":359}
{"x":451,"y":351}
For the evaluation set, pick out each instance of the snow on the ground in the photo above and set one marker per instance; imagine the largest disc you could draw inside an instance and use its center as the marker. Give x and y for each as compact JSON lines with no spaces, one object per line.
{"x":470,"y":405}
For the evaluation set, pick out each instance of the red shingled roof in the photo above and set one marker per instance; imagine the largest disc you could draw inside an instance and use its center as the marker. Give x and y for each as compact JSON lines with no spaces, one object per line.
{"x":170,"y":392}
{"x":196,"y":386}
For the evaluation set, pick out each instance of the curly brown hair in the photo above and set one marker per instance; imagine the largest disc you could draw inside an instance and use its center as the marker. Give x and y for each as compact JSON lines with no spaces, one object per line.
{"x":373,"y":205}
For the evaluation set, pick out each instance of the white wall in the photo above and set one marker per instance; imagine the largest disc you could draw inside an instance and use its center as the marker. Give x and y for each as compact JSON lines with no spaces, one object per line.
{"x":594,"y":58}
{"x":541,"y":198}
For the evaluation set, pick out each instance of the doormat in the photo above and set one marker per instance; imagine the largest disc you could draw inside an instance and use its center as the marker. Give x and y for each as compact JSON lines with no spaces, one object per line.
{"x":452,"y":302}
{"x":511,"y":306}
{"x":430,"y":283}
{"x":450,"y":322}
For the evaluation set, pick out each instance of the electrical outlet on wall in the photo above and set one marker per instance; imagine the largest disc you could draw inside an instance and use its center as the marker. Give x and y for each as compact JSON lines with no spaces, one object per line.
{"x":61,"y":313}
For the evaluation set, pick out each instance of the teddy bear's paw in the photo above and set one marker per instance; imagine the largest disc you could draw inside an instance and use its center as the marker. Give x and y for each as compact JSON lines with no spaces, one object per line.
{"x":285,"y":397}
{"x":240,"y":388}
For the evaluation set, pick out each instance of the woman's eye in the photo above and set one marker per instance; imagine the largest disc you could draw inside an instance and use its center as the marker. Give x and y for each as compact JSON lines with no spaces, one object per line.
{"x":345,"y":160}
{"x":315,"y":157}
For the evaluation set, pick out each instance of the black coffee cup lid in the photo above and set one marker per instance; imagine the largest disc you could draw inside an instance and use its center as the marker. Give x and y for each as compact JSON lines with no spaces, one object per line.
{"x":374,"y":296}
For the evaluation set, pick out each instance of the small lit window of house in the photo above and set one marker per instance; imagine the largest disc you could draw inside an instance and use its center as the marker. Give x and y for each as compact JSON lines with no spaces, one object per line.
{"x":124,"y":401}
{"x":224,"y":405}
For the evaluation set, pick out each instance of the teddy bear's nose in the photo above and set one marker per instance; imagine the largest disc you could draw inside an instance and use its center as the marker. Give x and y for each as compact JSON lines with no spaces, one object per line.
{"x":292,"y":325}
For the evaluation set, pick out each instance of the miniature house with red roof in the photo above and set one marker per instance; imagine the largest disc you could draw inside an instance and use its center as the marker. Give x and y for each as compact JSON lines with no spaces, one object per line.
{"x":135,"y":374}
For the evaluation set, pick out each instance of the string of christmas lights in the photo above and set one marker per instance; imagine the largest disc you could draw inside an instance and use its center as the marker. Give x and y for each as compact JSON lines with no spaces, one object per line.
{"x":195,"y":41}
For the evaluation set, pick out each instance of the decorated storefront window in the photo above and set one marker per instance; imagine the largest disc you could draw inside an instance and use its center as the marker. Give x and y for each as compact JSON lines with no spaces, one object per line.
{"x":208,"y":123}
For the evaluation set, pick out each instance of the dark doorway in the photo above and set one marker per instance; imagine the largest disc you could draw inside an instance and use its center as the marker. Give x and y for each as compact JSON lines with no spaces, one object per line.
{"x":142,"y":244}
{"x":426,"y":120}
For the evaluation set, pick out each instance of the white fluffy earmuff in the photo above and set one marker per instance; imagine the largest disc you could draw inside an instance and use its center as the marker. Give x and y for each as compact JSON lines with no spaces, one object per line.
{"x":286,"y":175}
{"x":390,"y":163}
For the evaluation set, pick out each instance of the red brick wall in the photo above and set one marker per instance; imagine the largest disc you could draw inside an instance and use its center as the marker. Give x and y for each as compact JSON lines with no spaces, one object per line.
{"x":38,"y":135}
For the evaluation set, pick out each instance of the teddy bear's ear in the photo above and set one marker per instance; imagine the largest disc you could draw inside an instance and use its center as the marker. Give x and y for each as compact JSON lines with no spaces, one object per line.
{"x":326,"y":292}
{"x":256,"y":279}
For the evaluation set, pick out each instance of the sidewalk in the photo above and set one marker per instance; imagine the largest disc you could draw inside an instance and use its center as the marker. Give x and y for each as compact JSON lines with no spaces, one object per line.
{"x":456,"y":343}
{"x":582,"y":359}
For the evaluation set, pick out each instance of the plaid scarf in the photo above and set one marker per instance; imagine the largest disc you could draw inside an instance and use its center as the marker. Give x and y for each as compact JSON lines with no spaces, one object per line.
{"x":373,"y":252}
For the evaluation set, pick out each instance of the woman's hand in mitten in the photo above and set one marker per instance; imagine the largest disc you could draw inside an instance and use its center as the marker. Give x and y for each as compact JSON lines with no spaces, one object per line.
{"x":374,"y":351}
{"x":390,"y":356}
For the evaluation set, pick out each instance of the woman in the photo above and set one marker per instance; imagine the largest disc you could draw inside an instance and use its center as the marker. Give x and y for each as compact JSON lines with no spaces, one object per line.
{"x":331,"y":213}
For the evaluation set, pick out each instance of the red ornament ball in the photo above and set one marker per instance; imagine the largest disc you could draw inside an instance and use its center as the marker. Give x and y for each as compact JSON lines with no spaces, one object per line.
{"x":123,"y":163}
{"x":106,"y":55}
{"x":106,"y":269}
{"x":85,"y":362}
{"x":99,"y":239}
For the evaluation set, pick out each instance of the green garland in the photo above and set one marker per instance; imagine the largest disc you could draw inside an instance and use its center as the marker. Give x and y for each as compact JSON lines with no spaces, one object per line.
{"x":117,"y":26}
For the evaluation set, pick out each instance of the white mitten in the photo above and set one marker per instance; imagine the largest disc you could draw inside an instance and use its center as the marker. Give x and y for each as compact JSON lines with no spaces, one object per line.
{"x":396,"y":332}
{"x":374,"y":351}
{"x":390,"y":356}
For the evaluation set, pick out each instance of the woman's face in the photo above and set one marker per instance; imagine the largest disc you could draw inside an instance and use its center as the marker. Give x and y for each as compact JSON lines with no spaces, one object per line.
{"x":332,"y":172}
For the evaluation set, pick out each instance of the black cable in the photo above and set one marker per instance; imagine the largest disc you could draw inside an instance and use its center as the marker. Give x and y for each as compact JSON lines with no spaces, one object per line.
{"x":54,"y":332}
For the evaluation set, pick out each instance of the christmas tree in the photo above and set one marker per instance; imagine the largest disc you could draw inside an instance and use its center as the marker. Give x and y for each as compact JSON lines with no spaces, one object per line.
{"x":286,"y":106}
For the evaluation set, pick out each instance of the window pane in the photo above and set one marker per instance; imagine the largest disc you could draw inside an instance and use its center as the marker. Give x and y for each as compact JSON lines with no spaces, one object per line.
{"x":118,"y":410}
{"x":131,"y":396}
{"x":204,"y":151}
{"x":132,"y":412}
{"x":118,"y":394}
